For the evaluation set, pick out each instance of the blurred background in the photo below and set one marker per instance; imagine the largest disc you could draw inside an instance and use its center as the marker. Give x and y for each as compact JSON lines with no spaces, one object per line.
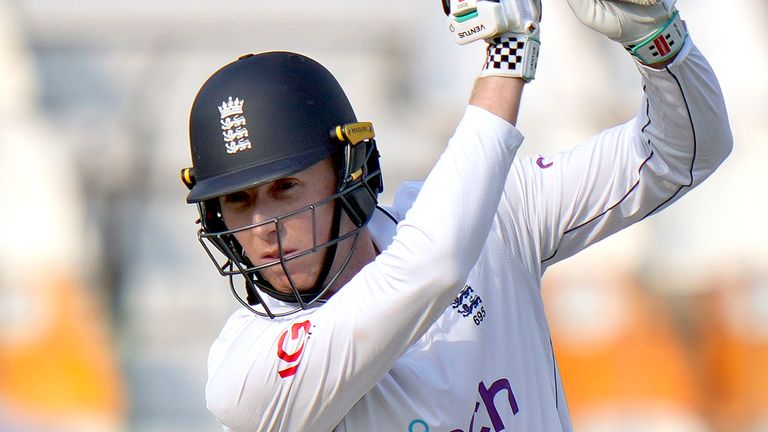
{"x":108,"y":304}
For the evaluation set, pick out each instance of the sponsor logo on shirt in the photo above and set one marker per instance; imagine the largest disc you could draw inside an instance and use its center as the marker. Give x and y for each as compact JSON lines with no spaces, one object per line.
{"x":290,"y":346}
{"x":488,"y":400}
{"x":544,"y":162}
{"x":469,"y":305}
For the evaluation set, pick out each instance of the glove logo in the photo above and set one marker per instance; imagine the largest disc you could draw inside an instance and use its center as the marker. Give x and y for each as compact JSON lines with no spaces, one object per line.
{"x":289,"y":352}
{"x":470,"y":32}
{"x":662,"y":46}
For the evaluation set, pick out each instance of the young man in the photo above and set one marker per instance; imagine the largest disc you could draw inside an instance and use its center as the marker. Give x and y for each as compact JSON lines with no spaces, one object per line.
{"x":425,"y":316}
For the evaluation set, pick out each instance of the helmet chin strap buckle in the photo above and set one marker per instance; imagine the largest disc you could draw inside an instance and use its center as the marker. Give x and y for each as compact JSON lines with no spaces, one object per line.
{"x":355,"y":175}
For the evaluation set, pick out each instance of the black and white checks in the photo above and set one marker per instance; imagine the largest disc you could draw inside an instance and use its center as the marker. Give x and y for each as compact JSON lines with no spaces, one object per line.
{"x":512,"y":55}
{"x":505,"y":53}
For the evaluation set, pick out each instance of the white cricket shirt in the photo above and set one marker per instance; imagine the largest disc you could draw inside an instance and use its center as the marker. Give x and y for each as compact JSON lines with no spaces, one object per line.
{"x":445,"y":331}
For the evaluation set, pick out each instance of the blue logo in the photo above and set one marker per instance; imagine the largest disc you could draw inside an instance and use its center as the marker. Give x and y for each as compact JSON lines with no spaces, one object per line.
{"x":418,"y":425}
{"x":469,"y":305}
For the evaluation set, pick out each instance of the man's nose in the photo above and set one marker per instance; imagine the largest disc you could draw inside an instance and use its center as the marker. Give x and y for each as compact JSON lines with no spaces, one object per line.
{"x":264,"y":226}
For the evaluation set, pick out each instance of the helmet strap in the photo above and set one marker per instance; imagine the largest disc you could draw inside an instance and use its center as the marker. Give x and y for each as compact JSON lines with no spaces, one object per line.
{"x":330,"y":254}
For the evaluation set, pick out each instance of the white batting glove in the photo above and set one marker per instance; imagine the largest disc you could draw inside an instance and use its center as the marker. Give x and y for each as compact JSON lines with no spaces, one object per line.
{"x":472,"y":20}
{"x":651,"y":30}
{"x":511,"y":28}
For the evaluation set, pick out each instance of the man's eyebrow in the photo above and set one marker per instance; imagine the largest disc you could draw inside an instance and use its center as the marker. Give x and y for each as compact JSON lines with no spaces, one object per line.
{"x":237,"y":194}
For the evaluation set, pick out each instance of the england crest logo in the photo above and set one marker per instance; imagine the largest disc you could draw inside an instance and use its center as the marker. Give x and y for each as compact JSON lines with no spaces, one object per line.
{"x":233,"y":125}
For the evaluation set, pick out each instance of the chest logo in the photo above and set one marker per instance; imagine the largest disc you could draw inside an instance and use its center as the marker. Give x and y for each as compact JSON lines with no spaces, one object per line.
{"x":290,"y":346}
{"x":469,"y":304}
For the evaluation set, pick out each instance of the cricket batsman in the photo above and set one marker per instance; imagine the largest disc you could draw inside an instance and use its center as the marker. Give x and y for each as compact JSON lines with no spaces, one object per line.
{"x":425,"y":315}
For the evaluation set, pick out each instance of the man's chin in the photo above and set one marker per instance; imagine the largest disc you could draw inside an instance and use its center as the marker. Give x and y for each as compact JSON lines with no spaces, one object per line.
{"x":283,"y":285}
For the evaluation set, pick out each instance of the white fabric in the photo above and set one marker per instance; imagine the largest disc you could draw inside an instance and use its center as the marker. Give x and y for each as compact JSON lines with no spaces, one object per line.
{"x":413,"y":344}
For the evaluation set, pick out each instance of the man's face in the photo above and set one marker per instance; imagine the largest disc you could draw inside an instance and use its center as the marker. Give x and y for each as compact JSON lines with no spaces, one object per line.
{"x":277,"y":198}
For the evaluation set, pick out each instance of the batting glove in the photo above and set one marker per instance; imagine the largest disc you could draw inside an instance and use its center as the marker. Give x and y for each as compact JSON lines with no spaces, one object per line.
{"x":651,"y":30}
{"x":510,"y":27}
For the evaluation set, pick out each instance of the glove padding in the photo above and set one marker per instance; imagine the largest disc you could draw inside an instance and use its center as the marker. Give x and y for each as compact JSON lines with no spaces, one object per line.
{"x":472,"y":20}
{"x":650,"y":29}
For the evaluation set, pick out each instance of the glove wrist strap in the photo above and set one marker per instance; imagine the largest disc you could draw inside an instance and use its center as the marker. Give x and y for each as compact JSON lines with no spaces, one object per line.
{"x":512,"y":55}
{"x":663,"y":44}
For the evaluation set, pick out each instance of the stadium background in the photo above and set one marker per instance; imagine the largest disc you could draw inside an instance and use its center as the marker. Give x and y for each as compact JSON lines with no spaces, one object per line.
{"x":108,"y":304}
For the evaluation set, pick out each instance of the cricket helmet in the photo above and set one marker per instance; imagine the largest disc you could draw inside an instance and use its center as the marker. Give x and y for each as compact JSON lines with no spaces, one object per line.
{"x":264,"y":117}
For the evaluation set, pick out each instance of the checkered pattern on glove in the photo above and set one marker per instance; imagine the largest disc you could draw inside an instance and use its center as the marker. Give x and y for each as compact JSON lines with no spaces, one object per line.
{"x":512,"y":55}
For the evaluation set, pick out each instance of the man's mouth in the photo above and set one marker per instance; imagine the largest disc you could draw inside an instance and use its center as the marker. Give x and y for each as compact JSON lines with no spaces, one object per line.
{"x":274,"y":256}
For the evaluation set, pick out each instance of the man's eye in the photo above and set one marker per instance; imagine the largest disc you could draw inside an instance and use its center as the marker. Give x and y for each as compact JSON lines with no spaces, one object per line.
{"x":285,"y":185}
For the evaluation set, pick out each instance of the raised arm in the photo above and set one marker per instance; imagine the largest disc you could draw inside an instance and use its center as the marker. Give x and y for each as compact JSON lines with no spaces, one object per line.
{"x":499,"y":96}
{"x":627,"y":173}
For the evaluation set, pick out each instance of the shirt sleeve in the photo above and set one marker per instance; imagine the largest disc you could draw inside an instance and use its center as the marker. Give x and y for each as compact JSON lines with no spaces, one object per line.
{"x":306,"y":373}
{"x":564,"y":203}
